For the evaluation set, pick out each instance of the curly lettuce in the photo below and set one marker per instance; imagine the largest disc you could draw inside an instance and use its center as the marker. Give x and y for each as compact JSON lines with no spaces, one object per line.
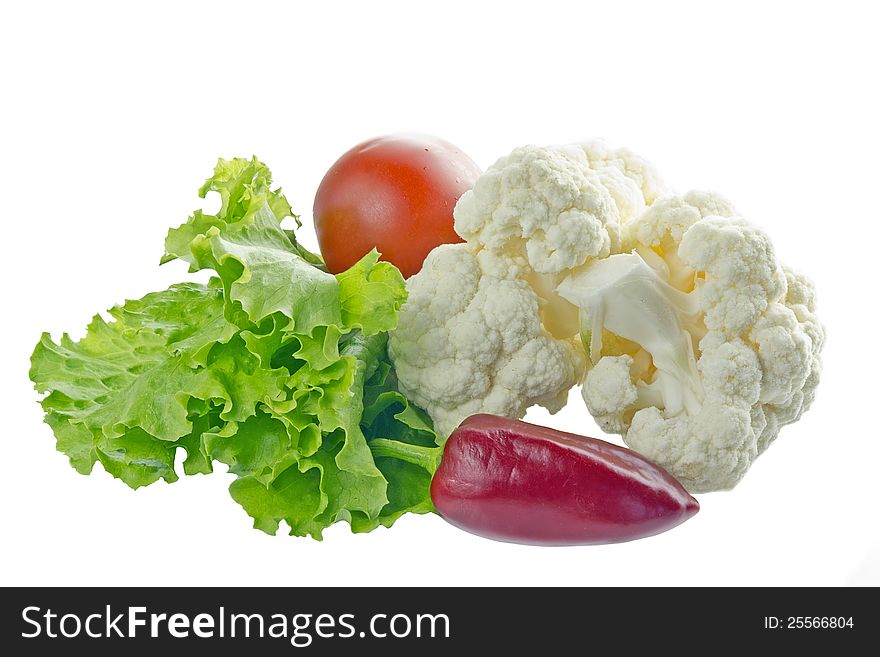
{"x":275,"y":368}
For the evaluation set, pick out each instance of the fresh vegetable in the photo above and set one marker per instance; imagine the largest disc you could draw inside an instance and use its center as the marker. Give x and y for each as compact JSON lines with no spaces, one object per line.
{"x":395,"y":194}
{"x":512,"y":481}
{"x":275,"y":368}
{"x":703,"y":346}
{"x":696,"y":344}
{"x":483,"y":330}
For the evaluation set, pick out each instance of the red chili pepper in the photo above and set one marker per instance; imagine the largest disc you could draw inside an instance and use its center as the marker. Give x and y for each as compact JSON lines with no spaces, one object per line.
{"x":518,"y":482}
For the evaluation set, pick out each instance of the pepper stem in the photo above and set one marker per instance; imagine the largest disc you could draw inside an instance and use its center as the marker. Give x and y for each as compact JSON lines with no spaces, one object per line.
{"x":424,"y":457}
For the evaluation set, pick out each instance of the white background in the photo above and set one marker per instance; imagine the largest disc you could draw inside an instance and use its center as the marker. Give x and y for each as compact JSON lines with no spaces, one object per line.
{"x":113,"y":115}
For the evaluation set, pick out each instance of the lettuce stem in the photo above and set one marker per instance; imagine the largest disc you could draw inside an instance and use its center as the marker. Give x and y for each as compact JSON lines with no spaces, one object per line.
{"x":424,"y":457}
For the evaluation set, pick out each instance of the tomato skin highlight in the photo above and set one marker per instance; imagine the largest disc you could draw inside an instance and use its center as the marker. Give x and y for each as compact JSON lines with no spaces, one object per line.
{"x":517,"y":482}
{"x":394,"y":193}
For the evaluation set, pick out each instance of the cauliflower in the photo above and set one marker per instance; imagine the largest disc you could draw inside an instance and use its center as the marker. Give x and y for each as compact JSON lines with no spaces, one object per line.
{"x":699,"y":344}
{"x":483,"y":329}
{"x":702,"y":346}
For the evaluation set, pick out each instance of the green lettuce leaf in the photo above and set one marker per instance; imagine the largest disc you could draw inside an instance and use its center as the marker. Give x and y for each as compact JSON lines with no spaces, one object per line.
{"x":371,"y":292}
{"x":244,"y":186}
{"x":131,"y":372}
{"x":389,"y":417}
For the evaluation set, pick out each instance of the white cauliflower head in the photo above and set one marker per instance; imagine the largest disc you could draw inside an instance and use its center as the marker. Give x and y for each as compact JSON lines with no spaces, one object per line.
{"x":483,"y":329}
{"x":703,"y":345}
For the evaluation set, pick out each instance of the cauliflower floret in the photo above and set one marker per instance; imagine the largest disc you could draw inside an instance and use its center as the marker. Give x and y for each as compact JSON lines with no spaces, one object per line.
{"x":661,"y":227}
{"x":742,"y":276}
{"x":542,"y":203}
{"x":801,"y":300}
{"x":784,"y":351}
{"x":632,"y":182}
{"x":666,"y":222}
{"x":725,"y":342}
{"x":470,"y":340}
{"x":609,"y":387}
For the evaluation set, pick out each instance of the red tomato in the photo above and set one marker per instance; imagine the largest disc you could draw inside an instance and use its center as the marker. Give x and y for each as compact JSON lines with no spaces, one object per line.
{"x":395,"y":194}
